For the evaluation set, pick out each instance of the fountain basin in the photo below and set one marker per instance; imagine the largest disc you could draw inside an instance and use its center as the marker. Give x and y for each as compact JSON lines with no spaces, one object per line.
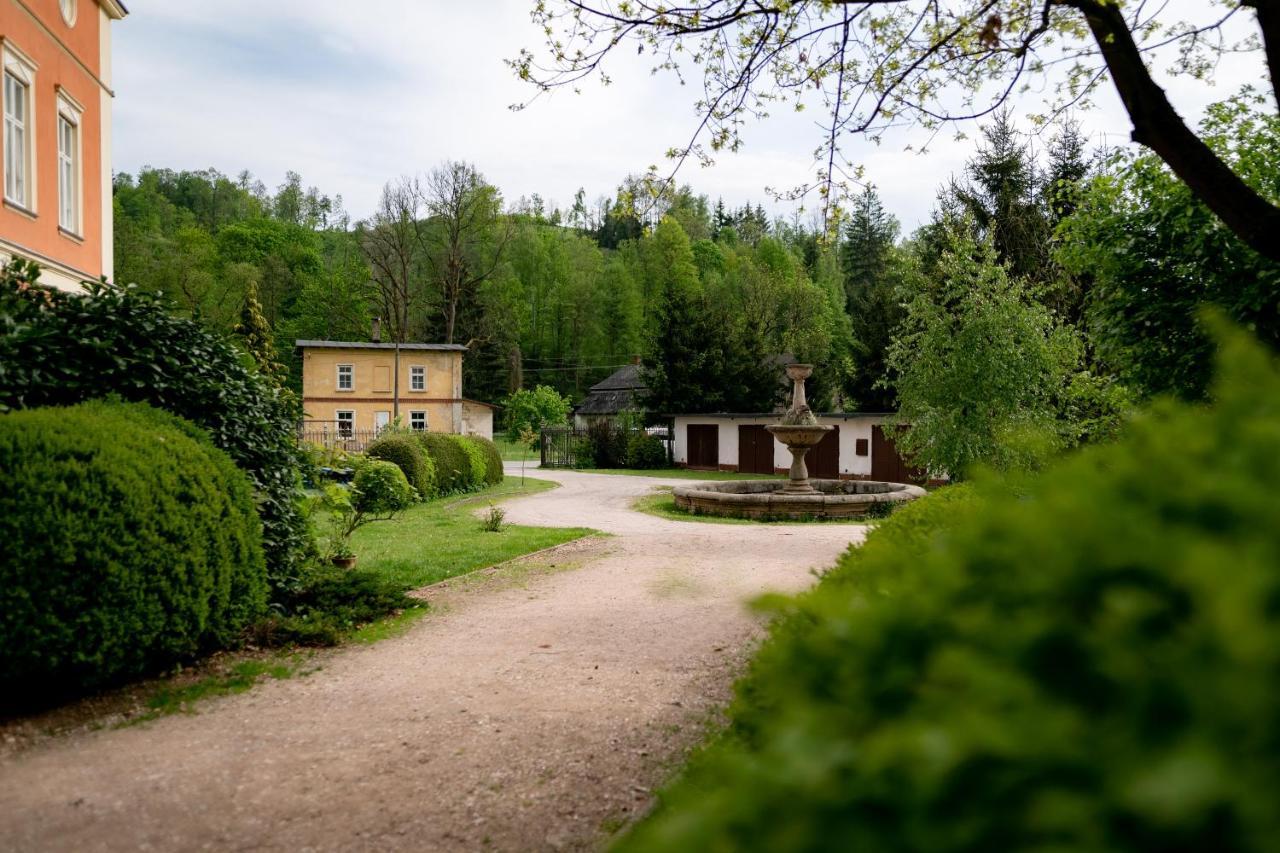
{"x":768,"y":499}
{"x":799,"y":435}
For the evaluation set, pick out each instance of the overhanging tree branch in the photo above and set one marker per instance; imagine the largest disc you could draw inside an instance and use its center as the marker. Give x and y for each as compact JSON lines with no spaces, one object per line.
{"x":876,"y":64}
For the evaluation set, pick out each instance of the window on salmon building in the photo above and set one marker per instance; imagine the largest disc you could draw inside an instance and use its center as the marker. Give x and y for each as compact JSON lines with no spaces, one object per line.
{"x":69,"y":174}
{"x":19,"y":128}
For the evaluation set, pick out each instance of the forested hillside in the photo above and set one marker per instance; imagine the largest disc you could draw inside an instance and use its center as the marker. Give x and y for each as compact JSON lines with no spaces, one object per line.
{"x":710,"y":295}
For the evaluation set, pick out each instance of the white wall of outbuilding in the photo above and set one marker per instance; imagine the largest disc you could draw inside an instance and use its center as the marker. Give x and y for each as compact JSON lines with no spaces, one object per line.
{"x":851,"y":427}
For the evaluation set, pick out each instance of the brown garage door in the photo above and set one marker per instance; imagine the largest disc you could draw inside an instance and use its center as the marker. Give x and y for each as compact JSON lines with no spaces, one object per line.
{"x":886,"y":464}
{"x":755,"y":450}
{"x":823,"y":459}
{"x":704,"y":445}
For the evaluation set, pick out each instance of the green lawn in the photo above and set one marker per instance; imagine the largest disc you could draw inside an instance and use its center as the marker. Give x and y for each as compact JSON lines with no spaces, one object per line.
{"x":442,"y":538}
{"x":680,"y":473}
{"x":513,"y":451}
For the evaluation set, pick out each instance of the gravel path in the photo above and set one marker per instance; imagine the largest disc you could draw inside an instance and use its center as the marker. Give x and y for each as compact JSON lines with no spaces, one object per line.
{"x":535,"y":710}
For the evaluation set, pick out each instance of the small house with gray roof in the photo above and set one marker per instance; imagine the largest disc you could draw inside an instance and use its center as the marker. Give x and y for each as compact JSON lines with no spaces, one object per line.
{"x":622,"y":391}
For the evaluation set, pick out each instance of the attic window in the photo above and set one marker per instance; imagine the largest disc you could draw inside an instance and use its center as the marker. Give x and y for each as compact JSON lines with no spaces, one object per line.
{"x":68,"y":9}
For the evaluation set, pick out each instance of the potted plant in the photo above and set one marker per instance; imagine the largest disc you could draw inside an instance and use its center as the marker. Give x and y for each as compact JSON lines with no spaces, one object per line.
{"x":343,"y":557}
{"x":378,"y":493}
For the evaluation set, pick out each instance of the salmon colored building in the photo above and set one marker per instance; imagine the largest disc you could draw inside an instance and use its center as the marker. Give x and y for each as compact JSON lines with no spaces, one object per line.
{"x":55,"y":144}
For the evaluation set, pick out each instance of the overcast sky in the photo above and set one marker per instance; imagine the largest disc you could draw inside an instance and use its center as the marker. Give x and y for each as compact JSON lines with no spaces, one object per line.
{"x":351,"y":94}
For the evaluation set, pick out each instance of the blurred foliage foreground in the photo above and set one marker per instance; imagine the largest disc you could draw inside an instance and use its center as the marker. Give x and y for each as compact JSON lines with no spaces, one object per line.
{"x":1087,"y":659}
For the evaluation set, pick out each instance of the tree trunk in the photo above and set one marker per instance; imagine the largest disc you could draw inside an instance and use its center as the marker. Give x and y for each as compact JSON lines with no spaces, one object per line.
{"x":1159,"y":127}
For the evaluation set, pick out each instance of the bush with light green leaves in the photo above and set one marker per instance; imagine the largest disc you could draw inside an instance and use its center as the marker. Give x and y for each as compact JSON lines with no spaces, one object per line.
{"x":1084,"y":660}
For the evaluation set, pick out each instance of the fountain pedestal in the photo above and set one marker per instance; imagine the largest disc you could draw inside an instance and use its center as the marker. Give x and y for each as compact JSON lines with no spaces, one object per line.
{"x":799,"y":431}
{"x":799,"y":497}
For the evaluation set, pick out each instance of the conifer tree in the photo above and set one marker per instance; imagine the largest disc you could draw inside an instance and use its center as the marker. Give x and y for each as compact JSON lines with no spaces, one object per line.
{"x":872,"y":269}
{"x":254,"y":331}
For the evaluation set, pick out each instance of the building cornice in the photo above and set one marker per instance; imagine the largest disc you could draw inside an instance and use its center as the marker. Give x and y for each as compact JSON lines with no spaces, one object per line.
{"x":11,"y":248}
{"x":62,"y":45}
{"x":115,"y":10}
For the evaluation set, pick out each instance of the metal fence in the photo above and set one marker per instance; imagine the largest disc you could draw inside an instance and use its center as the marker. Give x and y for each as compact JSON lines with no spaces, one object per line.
{"x":333,"y":437}
{"x":564,"y":447}
{"x":570,"y":447}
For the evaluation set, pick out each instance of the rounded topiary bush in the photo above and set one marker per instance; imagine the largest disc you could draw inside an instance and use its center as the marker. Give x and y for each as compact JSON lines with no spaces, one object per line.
{"x":408,"y":455}
{"x":493,"y":473}
{"x":123,"y":341}
{"x":380,"y":488}
{"x":454,"y":471}
{"x":1088,"y":659}
{"x":129,"y":542}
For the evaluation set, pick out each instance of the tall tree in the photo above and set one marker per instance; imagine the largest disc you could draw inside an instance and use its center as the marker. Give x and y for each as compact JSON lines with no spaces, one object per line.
{"x":1156,"y":255}
{"x":700,"y":357}
{"x":394,"y":242}
{"x":874,"y":270}
{"x":979,"y":366}
{"x":876,"y":62}
{"x":467,"y":237}
{"x":1002,"y":197}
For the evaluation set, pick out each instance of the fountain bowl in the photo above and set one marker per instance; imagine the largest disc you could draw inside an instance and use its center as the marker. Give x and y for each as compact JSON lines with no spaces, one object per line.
{"x":768,"y":500}
{"x":799,"y":435}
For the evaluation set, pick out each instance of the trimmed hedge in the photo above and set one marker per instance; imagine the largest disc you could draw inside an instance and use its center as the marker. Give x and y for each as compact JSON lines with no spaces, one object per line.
{"x":408,"y":455}
{"x":1086,"y":660}
{"x":475,"y":456}
{"x":453,"y":466}
{"x":129,"y":542}
{"x":62,"y":348}
{"x":493,"y":473}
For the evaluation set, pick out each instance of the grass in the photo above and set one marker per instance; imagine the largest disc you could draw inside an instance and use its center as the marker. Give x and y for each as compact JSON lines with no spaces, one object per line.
{"x":680,"y":474}
{"x":441,"y":539}
{"x":239,"y":676}
{"x":663,"y":504}
{"x":514,"y":451}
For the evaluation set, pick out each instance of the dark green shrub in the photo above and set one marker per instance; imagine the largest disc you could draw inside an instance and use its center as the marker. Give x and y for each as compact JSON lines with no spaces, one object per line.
{"x":329,"y":603}
{"x":129,"y":542}
{"x":645,"y":451}
{"x":1087,"y":660}
{"x":407,"y":454}
{"x":454,"y":472}
{"x":62,"y":348}
{"x":608,"y":445}
{"x":493,"y":473}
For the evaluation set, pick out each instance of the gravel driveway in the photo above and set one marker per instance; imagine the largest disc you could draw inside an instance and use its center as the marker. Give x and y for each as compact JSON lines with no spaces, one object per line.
{"x":536,"y":710}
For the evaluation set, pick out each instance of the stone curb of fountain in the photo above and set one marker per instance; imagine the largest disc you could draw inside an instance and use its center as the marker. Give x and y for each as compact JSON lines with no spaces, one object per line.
{"x":764,"y":499}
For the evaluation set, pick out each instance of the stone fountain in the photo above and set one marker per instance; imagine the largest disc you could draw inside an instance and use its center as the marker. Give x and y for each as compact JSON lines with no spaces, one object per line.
{"x":799,"y":431}
{"x":797,"y":497}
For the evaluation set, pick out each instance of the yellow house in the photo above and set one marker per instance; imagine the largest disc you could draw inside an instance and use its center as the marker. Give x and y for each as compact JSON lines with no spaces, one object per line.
{"x":351,"y":390}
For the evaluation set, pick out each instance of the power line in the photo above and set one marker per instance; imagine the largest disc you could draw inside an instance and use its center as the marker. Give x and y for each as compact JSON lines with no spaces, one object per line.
{"x":578,"y":367}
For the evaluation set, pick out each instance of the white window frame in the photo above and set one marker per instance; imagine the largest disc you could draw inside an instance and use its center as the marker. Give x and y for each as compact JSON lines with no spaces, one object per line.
{"x":70,"y":167}
{"x":350,"y":375}
{"x":70,"y":11}
{"x":349,"y":420}
{"x":22,"y":70}
{"x":417,"y":372}
{"x":414,"y":417}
